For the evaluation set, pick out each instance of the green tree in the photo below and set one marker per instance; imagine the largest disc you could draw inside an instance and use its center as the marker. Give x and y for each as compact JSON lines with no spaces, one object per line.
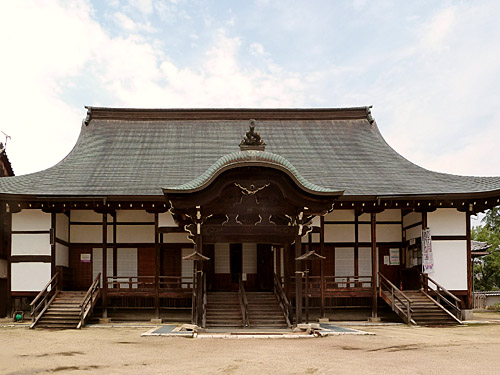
{"x":487,"y":270}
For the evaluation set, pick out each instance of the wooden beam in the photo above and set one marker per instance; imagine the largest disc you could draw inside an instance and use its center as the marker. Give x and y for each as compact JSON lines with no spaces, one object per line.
{"x":31,"y":258}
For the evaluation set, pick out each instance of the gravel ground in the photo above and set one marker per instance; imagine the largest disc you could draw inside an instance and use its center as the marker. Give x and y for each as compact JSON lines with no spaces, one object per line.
{"x":392,"y":350}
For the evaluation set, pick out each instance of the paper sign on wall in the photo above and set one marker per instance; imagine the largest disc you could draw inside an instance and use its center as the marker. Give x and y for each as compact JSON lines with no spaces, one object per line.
{"x":85,"y":258}
{"x":427,"y":258}
{"x":394,"y":257}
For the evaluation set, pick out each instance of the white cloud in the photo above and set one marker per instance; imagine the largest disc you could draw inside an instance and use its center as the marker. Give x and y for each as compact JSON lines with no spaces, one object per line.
{"x":433,"y":97}
{"x":56,"y":46}
{"x":44,"y":45}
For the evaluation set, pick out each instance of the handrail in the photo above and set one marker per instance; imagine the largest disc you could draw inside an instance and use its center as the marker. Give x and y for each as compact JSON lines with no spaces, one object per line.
{"x":396,"y":294}
{"x":89,"y":300}
{"x":243,"y":302}
{"x":424,"y":280}
{"x":44,"y":296}
{"x":140,"y":283}
{"x":286,"y":307}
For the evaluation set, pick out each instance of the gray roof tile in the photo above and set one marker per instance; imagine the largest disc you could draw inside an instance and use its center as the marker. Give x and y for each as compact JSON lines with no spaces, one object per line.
{"x":136,"y":156}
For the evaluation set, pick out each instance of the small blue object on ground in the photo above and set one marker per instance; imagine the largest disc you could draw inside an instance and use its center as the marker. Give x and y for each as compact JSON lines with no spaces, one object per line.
{"x":333,"y":328}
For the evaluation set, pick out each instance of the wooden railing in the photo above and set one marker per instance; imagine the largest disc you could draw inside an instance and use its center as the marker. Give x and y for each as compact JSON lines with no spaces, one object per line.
{"x":142,"y":283}
{"x":334,"y":284}
{"x":89,"y":300}
{"x":243,"y":302}
{"x":286,"y":307}
{"x":452,"y":302}
{"x":395,"y":295}
{"x":43,"y":300}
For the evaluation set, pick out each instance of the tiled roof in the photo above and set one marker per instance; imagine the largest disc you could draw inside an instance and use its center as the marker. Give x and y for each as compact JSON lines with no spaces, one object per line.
{"x":139,"y":152}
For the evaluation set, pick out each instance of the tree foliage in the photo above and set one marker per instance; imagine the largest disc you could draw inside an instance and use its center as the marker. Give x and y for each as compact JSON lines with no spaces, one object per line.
{"x":487,"y":270}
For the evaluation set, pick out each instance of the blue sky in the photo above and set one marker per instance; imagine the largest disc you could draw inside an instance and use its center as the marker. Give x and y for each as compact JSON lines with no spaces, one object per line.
{"x":430,"y":68}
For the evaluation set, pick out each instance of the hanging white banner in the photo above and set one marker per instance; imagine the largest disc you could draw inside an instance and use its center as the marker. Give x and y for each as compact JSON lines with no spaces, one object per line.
{"x":427,"y":258}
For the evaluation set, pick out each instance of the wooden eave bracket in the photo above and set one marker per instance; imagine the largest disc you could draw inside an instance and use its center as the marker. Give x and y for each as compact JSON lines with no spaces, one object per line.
{"x":311,"y":255}
{"x":195,"y":256}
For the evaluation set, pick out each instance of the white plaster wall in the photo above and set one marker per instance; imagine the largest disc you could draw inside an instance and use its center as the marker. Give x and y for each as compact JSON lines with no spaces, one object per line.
{"x":3,"y":269}
{"x":89,"y":233}
{"x":88,"y":216}
{"x":415,"y":232}
{"x":31,"y":244}
{"x":62,"y":227}
{"x":412,"y":218}
{"x":135,"y":233}
{"x":316,"y":221}
{"x":62,"y":255}
{"x":29,"y":277}
{"x":31,"y":220}
{"x":389,"y":215}
{"x":340,"y":215}
{"x":365,"y":233}
{"x":450,"y":264}
{"x":365,"y":217}
{"x":166,"y":220}
{"x":249,"y":255}
{"x":389,"y":233}
{"x":221,"y":261}
{"x":175,"y":238}
{"x":447,"y":221}
{"x":131,"y":216}
{"x":339,"y":232}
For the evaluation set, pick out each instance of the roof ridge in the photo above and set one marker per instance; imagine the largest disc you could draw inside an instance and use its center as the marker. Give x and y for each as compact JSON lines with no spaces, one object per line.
{"x":151,"y":114}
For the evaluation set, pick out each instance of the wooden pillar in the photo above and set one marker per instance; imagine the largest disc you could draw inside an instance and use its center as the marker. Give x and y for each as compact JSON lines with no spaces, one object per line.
{"x":7,"y":242}
{"x":298,"y":280}
{"x":199,"y":282}
{"x":104,"y":265}
{"x":470,"y":304}
{"x":356,"y":248}
{"x":157,"y":270}
{"x":374,"y":263}
{"x":286,"y":268}
{"x":277,"y":255}
{"x":53,"y":248}
{"x":115,"y":249}
{"x":322,"y":264}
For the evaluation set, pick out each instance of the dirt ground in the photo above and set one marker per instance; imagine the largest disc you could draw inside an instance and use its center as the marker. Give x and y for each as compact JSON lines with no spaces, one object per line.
{"x":392,"y":350}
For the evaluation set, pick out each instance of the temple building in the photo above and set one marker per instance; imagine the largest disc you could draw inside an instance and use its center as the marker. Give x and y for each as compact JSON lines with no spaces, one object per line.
{"x":242,"y":217}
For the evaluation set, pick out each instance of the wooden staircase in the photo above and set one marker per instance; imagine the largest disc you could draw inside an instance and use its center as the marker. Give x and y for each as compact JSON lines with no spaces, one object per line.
{"x":223,"y":310}
{"x":63,"y":312}
{"x":426,"y":312}
{"x":264,"y":311}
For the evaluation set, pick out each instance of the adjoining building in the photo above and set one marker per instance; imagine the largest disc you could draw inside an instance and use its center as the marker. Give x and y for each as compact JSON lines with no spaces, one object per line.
{"x":208,"y":208}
